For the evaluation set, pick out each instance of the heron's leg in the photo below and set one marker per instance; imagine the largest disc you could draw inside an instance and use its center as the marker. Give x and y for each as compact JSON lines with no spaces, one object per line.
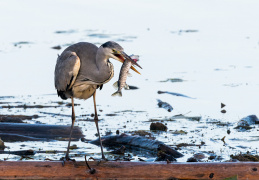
{"x":71,"y":130}
{"x":96,"y":123}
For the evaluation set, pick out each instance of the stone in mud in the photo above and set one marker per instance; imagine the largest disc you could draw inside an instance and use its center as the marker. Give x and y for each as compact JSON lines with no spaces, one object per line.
{"x":199,"y":156}
{"x":158,"y":126}
{"x":162,"y":156}
{"x":246,"y":122}
{"x":56,"y":47}
{"x":192,"y":159}
{"x":164,"y":105}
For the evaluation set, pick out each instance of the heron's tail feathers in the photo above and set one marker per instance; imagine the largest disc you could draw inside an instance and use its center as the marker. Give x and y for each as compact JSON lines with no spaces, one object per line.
{"x":117,"y":93}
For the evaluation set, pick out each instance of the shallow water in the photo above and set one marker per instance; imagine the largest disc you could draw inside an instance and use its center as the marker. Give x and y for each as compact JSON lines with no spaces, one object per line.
{"x":212,"y":46}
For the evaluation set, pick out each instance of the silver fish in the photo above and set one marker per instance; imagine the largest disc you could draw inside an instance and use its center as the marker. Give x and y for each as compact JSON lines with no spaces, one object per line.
{"x":122,"y":77}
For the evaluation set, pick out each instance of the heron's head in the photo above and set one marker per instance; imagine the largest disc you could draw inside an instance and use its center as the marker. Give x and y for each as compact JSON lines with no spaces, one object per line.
{"x":115,"y":51}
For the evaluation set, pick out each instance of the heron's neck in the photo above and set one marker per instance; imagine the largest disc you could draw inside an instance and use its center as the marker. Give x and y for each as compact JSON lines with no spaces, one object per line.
{"x":104,"y":70}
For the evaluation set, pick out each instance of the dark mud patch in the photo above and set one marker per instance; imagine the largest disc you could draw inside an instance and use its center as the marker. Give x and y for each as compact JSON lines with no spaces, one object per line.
{"x":174,"y":94}
{"x":29,"y":106}
{"x":246,"y":157}
{"x":16,"y":118}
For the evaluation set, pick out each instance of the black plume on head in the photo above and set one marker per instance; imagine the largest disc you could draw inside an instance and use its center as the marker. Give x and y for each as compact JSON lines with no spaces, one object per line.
{"x":112,"y":45}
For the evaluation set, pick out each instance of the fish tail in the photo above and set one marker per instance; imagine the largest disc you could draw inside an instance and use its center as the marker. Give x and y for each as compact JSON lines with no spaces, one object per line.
{"x":117,"y":93}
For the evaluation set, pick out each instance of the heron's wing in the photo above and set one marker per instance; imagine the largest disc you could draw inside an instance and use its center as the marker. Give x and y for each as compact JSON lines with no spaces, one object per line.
{"x":66,"y":70}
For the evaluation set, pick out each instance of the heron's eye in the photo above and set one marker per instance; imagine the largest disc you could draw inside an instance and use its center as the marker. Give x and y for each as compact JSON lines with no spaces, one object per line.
{"x":113,"y":50}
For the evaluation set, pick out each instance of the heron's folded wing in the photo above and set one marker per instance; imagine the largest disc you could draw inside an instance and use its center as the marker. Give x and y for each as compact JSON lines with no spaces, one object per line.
{"x":66,"y":70}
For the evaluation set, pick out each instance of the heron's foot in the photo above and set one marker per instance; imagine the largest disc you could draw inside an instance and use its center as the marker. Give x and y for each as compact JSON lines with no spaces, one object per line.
{"x":64,"y":159}
{"x":91,"y":170}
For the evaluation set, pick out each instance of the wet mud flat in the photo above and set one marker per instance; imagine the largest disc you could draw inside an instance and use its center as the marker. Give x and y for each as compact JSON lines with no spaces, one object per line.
{"x":196,"y":138}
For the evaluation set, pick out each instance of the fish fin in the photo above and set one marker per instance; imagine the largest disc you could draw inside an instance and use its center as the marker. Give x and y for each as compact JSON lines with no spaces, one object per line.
{"x":117,"y":93}
{"x":115,"y":85}
{"x":126,"y":87}
{"x":129,"y":75}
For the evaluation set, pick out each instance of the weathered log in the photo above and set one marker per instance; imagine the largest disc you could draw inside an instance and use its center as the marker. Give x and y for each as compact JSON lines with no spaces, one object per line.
{"x":137,"y":141}
{"x":37,"y":132}
{"x":127,"y":170}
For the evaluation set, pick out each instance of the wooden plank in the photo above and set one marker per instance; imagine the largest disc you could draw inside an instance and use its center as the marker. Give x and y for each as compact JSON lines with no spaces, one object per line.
{"x":127,"y":170}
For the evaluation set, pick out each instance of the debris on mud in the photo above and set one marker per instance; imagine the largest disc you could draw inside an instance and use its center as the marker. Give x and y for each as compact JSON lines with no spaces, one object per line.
{"x":164,"y":105}
{"x":245,"y":157}
{"x":246,"y":122}
{"x":142,"y":133}
{"x":192,"y":118}
{"x":137,"y":142}
{"x":178,"y":132}
{"x":158,"y":126}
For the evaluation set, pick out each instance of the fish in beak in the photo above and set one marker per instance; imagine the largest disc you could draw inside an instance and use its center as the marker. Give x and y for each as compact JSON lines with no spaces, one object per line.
{"x":122,"y":56}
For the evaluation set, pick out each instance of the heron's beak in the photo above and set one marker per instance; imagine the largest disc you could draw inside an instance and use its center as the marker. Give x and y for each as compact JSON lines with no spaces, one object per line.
{"x":122,"y":56}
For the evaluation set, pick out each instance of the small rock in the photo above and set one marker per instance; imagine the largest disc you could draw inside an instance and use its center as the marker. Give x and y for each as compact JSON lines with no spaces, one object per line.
{"x":56,"y":47}
{"x":158,"y":126}
{"x":117,"y":132}
{"x":192,"y":159}
{"x":223,"y":111}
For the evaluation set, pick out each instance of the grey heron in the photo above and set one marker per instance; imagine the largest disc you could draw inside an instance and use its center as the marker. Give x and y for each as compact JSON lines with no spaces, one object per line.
{"x":81,"y":69}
